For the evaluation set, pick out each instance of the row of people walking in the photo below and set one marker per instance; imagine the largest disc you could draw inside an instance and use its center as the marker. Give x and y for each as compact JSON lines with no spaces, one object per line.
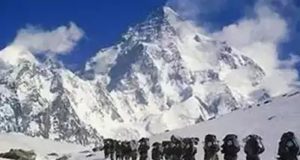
{"x":178,"y":148}
{"x":288,"y":147}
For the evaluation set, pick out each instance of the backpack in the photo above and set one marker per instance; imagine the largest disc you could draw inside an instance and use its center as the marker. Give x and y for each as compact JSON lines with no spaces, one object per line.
{"x":144,"y":145}
{"x":211,"y":143}
{"x":288,"y":145}
{"x":254,"y":145}
{"x":176,"y":139}
{"x":231,"y":144}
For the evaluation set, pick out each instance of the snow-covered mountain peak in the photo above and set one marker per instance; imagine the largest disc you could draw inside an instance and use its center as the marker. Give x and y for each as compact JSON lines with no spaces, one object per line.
{"x":164,"y":12}
{"x":170,"y":14}
{"x":168,"y":11}
{"x":166,"y":74}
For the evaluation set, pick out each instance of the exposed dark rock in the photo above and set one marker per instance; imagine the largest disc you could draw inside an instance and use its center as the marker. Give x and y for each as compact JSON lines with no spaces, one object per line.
{"x":19,"y":154}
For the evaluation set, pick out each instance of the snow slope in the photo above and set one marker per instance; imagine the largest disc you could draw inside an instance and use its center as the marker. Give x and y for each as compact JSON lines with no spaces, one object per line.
{"x":40,"y":146}
{"x":268,"y":120}
{"x":44,"y":148}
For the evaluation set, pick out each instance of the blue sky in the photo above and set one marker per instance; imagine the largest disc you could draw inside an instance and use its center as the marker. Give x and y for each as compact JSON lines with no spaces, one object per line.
{"x":103,"y":21}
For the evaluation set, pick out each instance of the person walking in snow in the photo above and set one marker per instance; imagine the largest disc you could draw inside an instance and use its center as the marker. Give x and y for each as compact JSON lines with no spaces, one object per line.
{"x":143,"y":148}
{"x":119,"y":150}
{"x":189,"y":150}
{"x":157,"y":151}
{"x":126,"y":150}
{"x":109,"y":148}
{"x":177,"y":147}
{"x":133,"y":149}
{"x":253,"y":147}
{"x":167,"y":150}
{"x":211,"y":147}
{"x":288,"y":147}
{"x":230,"y":147}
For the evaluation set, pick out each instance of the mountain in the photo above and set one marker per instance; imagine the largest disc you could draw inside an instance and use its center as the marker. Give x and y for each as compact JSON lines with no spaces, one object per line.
{"x":38,"y":99}
{"x":164,"y":74}
{"x":269,"y":119}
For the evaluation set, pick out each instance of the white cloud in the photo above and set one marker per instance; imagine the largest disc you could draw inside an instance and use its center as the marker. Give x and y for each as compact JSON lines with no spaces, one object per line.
{"x":59,"y":41}
{"x":258,"y":37}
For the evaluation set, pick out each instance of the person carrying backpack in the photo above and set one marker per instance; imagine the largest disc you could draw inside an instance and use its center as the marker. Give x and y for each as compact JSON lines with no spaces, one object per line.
{"x":288,"y":147}
{"x":211,"y":147}
{"x":108,"y":149}
{"x":143,"y":148}
{"x":253,"y":147}
{"x":119,"y":151}
{"x":157,"y":151}
{"x":230,"y":147}
{"x":177,"y":146}
{"x":126,"y":150}
{"x":189,"y":150}
{"x":133,"y":149}
{"x":167,"y":150}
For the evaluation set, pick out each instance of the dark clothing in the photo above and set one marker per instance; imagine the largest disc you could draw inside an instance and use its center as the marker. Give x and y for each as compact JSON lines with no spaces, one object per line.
{"x":106,"y":154}
{"x":254,"y":157}
{"x":109,"y":155}
{"x":126,"y":150}
{"x":119,"y":154}
{"x":288,"y":157}
{"x":177,"y":153}
{"x":288,"y":147}
{"x":143,"y":151}
{"x":134,"y":155}
{"x":210,"y":151}
{"x":288,"y":153}
{"x":230,"y":152}
{"x":253,"y":147}
{"x":211,"y":156}
{"x":189,"y":153}
{"x":156,"y":154}
{"x":167,"y":152}
{"x":143,"y":156}
{"x":109,"y":149}
{"x":230,"y":157}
